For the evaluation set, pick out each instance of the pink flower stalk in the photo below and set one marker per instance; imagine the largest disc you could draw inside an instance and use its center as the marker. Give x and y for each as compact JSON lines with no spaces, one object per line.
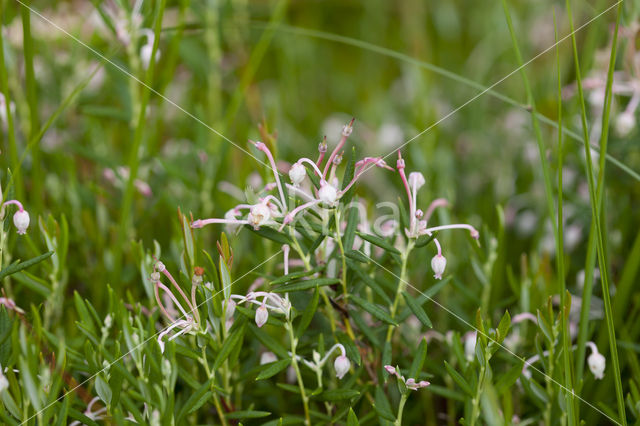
{"x":346,"y":131}
{"x":190,"y":317}
{"x":262,"y":147}
{"x":20,"y":218}
{"x":360,"y":169}
{"x":438,"y":202}
{"x":292,"y":214}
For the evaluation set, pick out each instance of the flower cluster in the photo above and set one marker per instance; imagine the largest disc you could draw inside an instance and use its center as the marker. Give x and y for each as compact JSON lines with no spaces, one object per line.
{"x":418,"y":219}
{"x":411,"y":384}
{"x":274,"y":210}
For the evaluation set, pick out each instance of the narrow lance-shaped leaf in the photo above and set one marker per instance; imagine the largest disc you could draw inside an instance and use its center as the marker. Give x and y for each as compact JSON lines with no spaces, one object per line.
{"x":417,"y":310}
{"x":19,"y":266}
{"x":374,"y":310}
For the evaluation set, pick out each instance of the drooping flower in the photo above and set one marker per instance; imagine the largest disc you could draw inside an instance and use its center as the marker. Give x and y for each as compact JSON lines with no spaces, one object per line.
{"x":262,"y":315}
{"x":597,"y":362}
{"x":20,"y":218}
{"x":342,"y":366}
{"x":438,"y":263}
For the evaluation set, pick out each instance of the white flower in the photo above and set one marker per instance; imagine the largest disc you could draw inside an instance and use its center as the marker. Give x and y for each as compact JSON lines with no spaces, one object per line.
{"x":625,"y":123}
{"x":267,"y":357}
{"x":262,"y":314}
{"x":342,"y":366}
{"x":259,"y":215}
{"x":597,"y":362}
{"x":438,"y":263}
{"x":328,"y":194}
{"x":416,"y":180}
{"x":21,"y":221}
{"x":297,"y":173}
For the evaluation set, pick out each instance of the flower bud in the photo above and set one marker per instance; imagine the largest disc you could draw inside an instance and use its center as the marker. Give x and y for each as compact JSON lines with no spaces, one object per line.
{"x":328,"y":194}
{"x":267,"y":358}
{"x":390,"y":369}
{"x":262,"y":314}
{"x":231,"y":308}
{"x":597,"y":364}
{"x":416,"y":179}
{"x":297,"y":173}
{"x":438,"y":263}
{"x":21,"y":221}
{"x":411,"y":384}
{"x":259,"y":215}
{"x":342,"y":365}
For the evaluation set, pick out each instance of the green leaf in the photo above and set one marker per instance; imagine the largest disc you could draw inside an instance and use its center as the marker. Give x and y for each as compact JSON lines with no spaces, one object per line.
{"x":229,"y":344}
{"x":30,"y":385}
{"x":418,"y":359}
{"x":377,"y":241}
{"x":270,"y":234}
{"x":423,"y":240}
{"x":459,"y":380}
{"x":382,"y":406}
{"x":503,"y":327}
{"x":543,"y":325}
{"x":103,"y":390}
{"x":83,"y":313}
{"x":296,"y":275}
{"x":352,"y":223}
{"x":196,"y":400}
{"x":508,"y":379}
{"x":352,"y":420}
{"x":374,"y":310}
{"x":334,"y":395}
{"x":348,"y":176}
{"x":417,"y":310}
{"x":236,"y":415}
{"x":225,"y":278}
{"x":356,"y":255}
{"x":309,"y":312}
{"x":273,"y":368}
{"x":19,"y":266}
{"x":306,"y":285}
